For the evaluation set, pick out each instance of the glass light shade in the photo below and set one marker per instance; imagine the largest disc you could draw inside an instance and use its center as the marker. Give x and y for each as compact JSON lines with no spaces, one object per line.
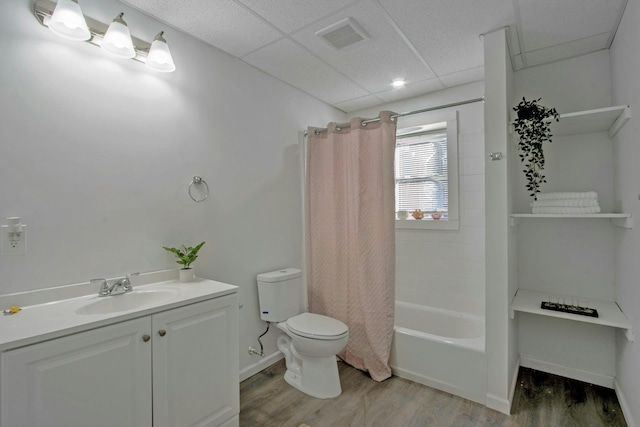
{"x":68,"y":21}
{"x":159,"y":58}
{"x":117,"y":39}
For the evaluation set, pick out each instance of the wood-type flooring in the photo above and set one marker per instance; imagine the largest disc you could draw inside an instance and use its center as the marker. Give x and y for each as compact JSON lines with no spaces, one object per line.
{"x":540,"y":400}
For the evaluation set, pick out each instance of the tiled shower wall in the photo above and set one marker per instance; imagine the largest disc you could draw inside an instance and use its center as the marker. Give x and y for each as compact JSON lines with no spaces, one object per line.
{"x":445,"y":268}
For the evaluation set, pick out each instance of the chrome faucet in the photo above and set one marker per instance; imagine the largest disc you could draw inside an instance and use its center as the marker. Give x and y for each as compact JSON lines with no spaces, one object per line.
{"x":117,"y":287}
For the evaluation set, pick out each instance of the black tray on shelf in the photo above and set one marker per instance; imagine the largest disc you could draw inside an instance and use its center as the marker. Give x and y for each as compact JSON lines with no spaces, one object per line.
{"x":572,"y":309}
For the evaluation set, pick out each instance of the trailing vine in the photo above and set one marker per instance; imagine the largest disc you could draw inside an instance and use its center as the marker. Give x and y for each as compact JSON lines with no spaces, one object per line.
{"x":533,"y":128}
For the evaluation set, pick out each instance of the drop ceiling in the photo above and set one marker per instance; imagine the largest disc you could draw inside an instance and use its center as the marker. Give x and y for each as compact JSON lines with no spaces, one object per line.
{"x":431,"y":44}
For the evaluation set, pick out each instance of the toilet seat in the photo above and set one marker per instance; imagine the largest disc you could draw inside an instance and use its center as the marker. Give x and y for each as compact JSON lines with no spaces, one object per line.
{"x":317,"y":326}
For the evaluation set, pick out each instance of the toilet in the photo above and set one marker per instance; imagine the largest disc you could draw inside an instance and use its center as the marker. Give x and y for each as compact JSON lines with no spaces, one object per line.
{"x":310,"y":341}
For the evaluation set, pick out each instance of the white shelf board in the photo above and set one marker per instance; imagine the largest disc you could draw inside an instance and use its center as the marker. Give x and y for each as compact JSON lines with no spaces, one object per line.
{"x":598,"y":120}
{"x":623,"y":220}
{"x":527,"y":301}
{"x":610,"y":119}
{"x":599,"y":215}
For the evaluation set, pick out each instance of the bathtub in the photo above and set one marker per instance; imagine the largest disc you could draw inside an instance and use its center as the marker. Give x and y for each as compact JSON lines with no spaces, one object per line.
{"x":440,"y":348}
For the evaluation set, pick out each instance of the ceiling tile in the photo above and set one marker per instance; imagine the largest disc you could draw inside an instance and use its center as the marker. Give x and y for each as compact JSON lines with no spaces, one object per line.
{"x":446,"y":32}
{"x":222,"y":23}
{"x":359,"y":103}
{"x":411,"y":90}
{"x":291,"y":15}
{"x":465,"y":76}
{"x":291,"y":63}
{"x":567,"y":50}
{"x":550,"y":22}
{"x":373,"y":63}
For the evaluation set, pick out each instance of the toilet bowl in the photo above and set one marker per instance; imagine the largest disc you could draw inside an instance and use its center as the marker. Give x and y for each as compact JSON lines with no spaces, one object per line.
{"x":310,"y":341}
{"x":310,"y":347}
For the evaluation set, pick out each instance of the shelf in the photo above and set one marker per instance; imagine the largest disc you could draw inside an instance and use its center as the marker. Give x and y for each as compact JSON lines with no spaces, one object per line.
{"x":527,"y":301}
{"x":610,"y":119}
{"x":623,"y":220}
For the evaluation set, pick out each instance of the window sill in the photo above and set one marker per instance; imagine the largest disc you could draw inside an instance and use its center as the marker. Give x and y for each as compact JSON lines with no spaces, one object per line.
{"x":427,"y":224}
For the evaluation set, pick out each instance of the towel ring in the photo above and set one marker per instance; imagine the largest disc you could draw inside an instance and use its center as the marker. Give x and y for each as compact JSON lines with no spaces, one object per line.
{"x":197,"y":181}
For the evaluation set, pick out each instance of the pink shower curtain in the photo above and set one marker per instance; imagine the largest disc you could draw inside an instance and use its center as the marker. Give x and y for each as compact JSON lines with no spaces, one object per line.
{"x":351,"y":236}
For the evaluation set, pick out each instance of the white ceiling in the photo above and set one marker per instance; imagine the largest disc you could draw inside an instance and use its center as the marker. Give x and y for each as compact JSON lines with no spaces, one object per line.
{"x":432,"y":44}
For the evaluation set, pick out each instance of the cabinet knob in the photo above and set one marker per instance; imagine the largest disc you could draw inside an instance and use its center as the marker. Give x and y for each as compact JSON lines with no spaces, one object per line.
{"x":162,"y":332}
{"x":146,"y":338}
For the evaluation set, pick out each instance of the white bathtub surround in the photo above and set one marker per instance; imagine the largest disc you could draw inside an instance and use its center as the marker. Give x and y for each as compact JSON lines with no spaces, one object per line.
{"x":440,"y":348}
{"x":350,"y":235}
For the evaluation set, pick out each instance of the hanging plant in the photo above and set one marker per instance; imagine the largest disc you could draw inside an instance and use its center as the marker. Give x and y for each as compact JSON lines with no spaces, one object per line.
{"x":533,"y":128}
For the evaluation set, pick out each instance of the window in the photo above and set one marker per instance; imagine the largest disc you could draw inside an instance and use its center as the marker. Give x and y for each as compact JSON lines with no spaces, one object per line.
{"x":426,"y":174}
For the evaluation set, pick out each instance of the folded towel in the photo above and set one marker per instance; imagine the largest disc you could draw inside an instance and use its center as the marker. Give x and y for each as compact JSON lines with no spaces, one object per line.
{"x":568,"y":195}
{"x":566,"y":210}
{"x":567,"y":203}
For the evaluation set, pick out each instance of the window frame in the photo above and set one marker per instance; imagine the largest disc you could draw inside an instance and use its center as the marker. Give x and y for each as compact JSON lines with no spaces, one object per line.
{"x":430,"y":121}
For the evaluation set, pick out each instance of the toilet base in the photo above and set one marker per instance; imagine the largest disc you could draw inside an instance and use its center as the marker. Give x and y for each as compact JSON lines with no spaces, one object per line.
{"x":318,"y":377}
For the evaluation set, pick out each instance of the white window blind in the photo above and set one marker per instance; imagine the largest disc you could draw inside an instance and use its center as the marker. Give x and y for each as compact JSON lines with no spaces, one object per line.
{"x":422,"y":172}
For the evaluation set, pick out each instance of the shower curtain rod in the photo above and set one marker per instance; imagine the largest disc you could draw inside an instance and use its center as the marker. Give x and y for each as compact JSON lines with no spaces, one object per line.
{"x":408,"y":113}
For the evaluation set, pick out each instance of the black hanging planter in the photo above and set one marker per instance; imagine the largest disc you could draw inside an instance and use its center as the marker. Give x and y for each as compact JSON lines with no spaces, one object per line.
{"x":533,"y":128}
{"x":525,"y":113}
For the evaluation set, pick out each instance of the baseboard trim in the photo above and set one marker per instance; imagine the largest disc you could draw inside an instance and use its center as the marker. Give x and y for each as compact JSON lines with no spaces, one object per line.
{"x":626,"y":409}
{"x":514,"y":382}
{"x":437,"y":384}
{"x":568,"y":372}
{"x":498,"y":404}
{"x":261,"y":364}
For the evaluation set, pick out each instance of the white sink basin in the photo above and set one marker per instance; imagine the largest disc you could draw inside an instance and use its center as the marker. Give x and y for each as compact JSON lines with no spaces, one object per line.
{"x":130,"y":301}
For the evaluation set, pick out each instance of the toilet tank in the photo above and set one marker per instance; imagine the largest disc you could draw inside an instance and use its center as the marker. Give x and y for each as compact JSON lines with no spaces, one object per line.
{"x":280,"y":294}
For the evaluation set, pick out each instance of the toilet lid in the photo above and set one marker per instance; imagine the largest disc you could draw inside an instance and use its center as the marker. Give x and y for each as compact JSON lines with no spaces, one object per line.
{"x":316,"y":325}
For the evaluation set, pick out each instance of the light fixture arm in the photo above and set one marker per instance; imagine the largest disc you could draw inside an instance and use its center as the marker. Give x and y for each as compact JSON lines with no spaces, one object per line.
{"x":159,"y":37}
{"x":43,"y":10}
{"x":119,"y":19}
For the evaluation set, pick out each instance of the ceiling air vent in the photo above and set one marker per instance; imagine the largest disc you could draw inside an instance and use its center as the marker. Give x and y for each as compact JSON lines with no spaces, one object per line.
{"x":343,"y":34}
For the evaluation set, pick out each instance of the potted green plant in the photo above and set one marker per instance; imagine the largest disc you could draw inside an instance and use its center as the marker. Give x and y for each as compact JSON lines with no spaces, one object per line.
{"x":533,"y":127}
{"x":185,"y":256}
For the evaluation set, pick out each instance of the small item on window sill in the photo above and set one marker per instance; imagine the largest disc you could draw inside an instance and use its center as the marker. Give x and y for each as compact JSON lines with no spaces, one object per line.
{"x":11,"y":310}
{"x":402,"y":214}
{"x":417,"y":214}
{"x":436,"y":215}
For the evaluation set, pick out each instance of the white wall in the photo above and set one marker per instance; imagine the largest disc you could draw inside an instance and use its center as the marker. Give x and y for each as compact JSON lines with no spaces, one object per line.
{"x":572,"y":257}
{"x":625,"y":70}
{"x":445,"y":268}
{"x":500,"y":341}
{"x":97,"y":154}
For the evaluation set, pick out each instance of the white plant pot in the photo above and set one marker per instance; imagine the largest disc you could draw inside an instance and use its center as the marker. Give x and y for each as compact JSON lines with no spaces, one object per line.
{"x":187,"y":275}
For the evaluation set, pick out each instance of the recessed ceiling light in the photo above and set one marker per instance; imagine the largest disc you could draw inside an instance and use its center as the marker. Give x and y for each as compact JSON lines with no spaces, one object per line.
{"x":398,"y":83}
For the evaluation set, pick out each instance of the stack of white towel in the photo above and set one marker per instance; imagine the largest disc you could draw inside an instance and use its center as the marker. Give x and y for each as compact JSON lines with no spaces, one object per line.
{"x":566,"y":203}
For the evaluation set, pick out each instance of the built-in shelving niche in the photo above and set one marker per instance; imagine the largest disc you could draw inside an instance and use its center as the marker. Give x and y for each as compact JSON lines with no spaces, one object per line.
{"x":610,"y":314}
{"x":608,"y":119}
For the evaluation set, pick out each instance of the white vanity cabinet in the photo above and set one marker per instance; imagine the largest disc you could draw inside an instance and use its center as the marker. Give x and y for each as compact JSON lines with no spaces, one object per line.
{"x":173,"y":368}
{"x":99,"y":378}
{"x":195,"y":364}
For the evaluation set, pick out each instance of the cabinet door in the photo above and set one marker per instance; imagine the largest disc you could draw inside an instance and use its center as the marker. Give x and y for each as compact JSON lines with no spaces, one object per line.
{"x":195,"y":364}
{"x":99,"y":378}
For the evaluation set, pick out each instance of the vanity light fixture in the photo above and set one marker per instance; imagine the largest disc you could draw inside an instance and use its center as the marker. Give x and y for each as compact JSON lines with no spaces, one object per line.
{"x":68,"y":21}
{"x":117,"y":40}
{"x":65,"y":18}
{"x":159,"y":58}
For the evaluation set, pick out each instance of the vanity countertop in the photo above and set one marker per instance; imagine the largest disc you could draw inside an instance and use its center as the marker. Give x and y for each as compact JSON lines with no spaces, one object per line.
{"x":54,"y":312}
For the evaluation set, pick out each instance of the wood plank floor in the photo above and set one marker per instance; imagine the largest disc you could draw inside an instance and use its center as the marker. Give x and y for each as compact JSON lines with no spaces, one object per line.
{"x":540,"y":400}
